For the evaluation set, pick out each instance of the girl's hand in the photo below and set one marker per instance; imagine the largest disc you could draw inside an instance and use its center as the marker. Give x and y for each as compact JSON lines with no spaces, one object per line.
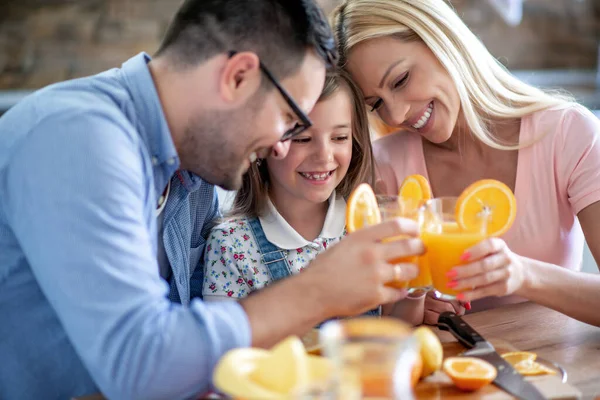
{"x":434,"y":307}
{"x":494,"y":271}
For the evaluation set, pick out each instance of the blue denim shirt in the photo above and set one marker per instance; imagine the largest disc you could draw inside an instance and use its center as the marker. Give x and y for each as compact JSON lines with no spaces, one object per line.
{"x":82,"y":306}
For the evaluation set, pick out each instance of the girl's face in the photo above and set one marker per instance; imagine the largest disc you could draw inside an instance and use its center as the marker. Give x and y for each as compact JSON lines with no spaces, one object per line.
{"x":319,"y":158}
{"x":407,"y":86}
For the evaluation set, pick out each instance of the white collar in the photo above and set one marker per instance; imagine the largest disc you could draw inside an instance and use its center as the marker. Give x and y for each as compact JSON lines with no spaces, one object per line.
{"x":279,"y":232}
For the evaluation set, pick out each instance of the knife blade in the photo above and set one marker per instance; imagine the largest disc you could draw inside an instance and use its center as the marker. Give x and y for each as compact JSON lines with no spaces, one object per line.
{"x":508,"y":379}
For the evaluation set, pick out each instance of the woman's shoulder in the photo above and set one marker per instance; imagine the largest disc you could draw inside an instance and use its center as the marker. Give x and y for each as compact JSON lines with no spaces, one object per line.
{"x":552,"y":126}
{"x":563,"y":116}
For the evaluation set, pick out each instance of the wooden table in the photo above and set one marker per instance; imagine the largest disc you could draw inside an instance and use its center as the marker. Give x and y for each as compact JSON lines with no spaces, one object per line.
{"x":552,"y":335}
{"x":529,"y":327}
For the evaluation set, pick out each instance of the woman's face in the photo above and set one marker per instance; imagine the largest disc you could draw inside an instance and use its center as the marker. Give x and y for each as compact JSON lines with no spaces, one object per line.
{"x":407,"y":86}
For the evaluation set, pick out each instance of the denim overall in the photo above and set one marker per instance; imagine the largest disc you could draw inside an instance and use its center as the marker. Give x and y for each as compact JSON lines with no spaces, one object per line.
{"x":275,"y":259}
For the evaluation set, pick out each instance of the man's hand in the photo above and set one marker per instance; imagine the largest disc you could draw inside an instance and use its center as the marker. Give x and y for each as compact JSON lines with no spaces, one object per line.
{"x":347,"y":279}
{"x":355,"y":271}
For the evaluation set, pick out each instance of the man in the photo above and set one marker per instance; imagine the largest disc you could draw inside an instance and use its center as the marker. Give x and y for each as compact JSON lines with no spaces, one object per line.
{"x":85,"y":167}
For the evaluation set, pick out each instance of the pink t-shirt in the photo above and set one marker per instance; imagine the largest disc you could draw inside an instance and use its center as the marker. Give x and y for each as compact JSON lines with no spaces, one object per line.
{"x":557,"y":177}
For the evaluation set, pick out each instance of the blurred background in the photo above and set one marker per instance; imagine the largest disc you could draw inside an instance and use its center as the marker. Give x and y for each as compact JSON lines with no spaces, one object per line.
{"x":550,"y":43}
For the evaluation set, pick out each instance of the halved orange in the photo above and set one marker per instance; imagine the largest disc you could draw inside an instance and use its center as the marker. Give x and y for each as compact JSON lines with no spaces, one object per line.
{"x":525,"y":364}
{"x":489,"y":202}
{"x":415,"y":187}
{"x":362,"y":208}
{"x":469,"y":373}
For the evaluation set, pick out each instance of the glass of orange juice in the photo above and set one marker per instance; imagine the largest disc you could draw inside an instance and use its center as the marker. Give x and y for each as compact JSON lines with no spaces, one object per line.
{"x":446,"y":241}
{"x":393,"y":207}
{"x":373,"y":358}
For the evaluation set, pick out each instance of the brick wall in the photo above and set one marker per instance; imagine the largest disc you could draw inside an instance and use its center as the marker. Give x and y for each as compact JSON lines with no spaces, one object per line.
{"x":44,"y":41}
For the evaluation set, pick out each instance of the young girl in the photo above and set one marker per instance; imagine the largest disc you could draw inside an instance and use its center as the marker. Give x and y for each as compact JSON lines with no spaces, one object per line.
{"x":290,"y":210}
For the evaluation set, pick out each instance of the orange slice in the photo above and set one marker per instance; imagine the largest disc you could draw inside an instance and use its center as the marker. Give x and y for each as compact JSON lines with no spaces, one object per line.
{"x":486,"y":201}
{"x":362,"y":209}
{"x":515,"y":357}
{"x":469,"y":373}
{"x":415,"y":187}
{"x":531,"y":368}
{"x":525,"y":364}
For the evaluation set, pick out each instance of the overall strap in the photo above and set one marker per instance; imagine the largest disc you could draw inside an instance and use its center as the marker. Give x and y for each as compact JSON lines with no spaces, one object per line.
{"x":271,"y":256}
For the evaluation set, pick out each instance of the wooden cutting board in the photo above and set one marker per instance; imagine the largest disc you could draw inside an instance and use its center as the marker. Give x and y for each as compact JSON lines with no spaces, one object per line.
{"x":439,"y":385}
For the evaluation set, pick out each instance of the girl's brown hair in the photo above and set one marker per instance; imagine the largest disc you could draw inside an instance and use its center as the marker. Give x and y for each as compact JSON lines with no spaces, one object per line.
{"x":251,"y":198}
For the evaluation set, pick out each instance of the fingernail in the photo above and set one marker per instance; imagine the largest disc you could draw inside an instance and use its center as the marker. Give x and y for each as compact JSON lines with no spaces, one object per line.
{"x":452,"y":284}
{"x":451,"y":274}
{"x":465,"y":256}
{"x":460,"y":296}
{"x":468,"y":305}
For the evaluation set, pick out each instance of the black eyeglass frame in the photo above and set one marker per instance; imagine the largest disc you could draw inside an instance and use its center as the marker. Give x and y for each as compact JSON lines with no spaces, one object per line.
{"x":305,"y":122}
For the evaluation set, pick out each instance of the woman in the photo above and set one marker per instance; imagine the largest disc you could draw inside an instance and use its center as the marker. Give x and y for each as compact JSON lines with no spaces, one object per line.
{"x":462,"y":117}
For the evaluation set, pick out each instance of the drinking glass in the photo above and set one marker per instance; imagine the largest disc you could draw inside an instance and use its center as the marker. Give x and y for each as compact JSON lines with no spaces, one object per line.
{"x":372,"y":357}
{"x":446,"y":241}
{"x":393,"y":207}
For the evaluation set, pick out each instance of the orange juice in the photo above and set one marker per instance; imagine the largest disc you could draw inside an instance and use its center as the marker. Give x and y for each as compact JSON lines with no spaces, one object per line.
{"x":400,"y":260}
{"x":377,"y":385}
{"x":444,"y":250}
{"x":422,"y":280}
{"x":394,"y":207}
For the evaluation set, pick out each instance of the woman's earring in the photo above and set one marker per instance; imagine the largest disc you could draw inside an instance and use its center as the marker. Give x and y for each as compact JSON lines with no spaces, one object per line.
{"x":258,"y":162}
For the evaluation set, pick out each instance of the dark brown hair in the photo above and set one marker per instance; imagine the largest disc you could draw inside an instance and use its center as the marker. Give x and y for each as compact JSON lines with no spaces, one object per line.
{"x":250,"y":199}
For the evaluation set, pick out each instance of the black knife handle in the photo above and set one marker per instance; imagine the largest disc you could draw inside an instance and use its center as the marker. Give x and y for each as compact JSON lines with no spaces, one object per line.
{"x":449,"y":321}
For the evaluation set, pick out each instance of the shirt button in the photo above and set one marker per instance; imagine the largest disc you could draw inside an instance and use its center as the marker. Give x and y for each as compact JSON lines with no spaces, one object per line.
{"x":171,"y":161}
{"x":154,"y":161}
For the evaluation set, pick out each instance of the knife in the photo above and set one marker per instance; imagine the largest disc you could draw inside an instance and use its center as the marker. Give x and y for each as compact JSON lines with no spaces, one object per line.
{"x":508,"y":379}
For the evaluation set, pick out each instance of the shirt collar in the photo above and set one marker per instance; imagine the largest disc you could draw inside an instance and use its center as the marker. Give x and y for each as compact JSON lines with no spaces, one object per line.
{"x":279,"y":232}
{"x":151,"y":122}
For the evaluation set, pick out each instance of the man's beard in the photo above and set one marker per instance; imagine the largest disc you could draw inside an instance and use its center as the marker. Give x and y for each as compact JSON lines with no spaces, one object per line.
{"x":215,"y":147}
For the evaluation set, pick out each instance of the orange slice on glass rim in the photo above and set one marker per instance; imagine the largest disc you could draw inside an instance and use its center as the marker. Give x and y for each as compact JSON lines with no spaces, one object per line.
{"x":362,"y":208}
{"x":488,"y":202}
{"x":469,"y":373}
{"x":415,"y":187}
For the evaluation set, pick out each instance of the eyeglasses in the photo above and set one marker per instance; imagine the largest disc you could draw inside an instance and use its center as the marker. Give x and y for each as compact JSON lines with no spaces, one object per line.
{"x":304,"y":122}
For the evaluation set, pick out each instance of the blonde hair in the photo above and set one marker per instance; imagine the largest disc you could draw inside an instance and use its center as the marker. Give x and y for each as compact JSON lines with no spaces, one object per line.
{"x":250,"y":199}
{"x":487,"y":91}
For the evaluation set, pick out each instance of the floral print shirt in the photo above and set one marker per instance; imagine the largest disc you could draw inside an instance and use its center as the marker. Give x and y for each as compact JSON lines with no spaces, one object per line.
{"x":233,"y":266}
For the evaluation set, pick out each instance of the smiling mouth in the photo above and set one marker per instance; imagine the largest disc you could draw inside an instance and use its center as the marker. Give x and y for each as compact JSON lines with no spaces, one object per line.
{"x":424,"y":118}
{"x":316,"y":176}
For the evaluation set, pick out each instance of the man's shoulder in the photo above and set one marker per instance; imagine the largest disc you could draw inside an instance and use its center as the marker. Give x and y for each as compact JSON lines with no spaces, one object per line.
{"x":65,"y":104}
{"x":103,"y":95}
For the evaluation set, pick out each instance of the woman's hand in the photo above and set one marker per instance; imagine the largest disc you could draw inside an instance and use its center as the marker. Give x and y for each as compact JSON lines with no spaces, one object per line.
{"x":494,"y":271}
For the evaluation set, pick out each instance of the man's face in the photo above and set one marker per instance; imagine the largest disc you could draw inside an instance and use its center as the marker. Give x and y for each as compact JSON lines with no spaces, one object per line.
{"x":220,"y":145}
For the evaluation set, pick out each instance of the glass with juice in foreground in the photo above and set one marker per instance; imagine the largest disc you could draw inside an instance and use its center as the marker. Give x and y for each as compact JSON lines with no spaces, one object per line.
{"x":373,"y":358}
{"x":446,"y":241}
